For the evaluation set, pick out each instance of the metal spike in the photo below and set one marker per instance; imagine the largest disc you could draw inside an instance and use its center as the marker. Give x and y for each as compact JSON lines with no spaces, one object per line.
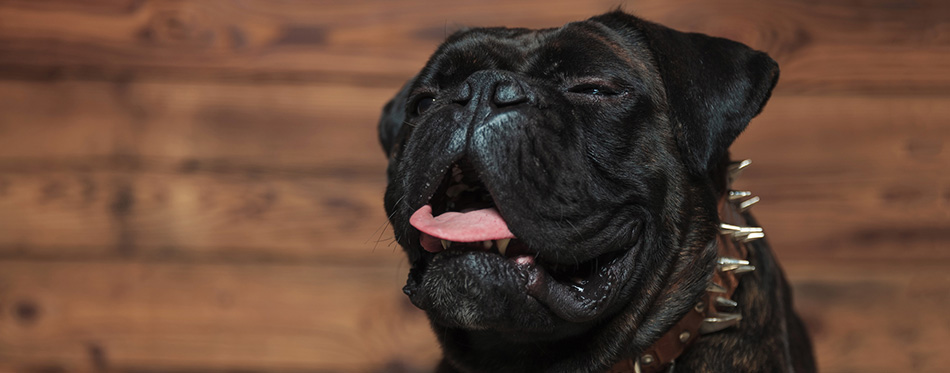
{"x":726,"y":260}
{"x":735,"y":168}
{"x":743,"y":269}
{"x":738,"y":194}
{"x":731,"y":264}
{"x":753,"y":236}
{"x":715,"y":288}
{"x":719,"y":322}
{"x":736,"y":230}
{"x":747,"y":204}
{"x":739,"y":165}
{"x":739,"y":236}
{"x":728,"y":228}
{"x":726,"y":302}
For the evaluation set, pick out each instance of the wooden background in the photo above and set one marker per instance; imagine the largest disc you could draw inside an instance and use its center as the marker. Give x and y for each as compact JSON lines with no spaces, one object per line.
{"x":196,"y":186}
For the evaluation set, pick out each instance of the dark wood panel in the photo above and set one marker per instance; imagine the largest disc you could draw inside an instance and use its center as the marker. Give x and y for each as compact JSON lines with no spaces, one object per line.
{"x":203,"y":217}
{"x":848,"y":136}
{"x":196,"y":186}
{"x":253,"y":125}
{"x":840,"y":177}
{"x":193,"y":317}
{"x":843,"y":46}
{"x":261,"y":217}
{"x":881,"y":318}
{"x":309,"y":127}
{"x":851,"y":176}
{"x":189,"y":318}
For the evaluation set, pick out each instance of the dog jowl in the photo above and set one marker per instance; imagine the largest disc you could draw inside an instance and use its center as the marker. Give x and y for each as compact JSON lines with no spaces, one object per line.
{"x":558,"y":193}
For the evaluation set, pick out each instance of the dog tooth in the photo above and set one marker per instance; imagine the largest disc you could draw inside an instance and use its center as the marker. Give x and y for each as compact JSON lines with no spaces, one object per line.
{"x":455,"y":190}
{"x":456,"y":173}
{"x":719,"y":322}
{"x":502,"y":245}
{"x":445,"y":244}
{"x":578,"y":280}
{"x":487,"y":244}
{"x":747,"y":204}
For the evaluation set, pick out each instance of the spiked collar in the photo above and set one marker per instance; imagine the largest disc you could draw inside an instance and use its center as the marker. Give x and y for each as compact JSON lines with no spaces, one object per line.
{"x":712,"y":313}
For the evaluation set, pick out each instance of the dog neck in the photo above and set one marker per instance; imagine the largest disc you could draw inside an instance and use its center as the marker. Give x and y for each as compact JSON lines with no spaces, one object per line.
{"x":711,"y":314}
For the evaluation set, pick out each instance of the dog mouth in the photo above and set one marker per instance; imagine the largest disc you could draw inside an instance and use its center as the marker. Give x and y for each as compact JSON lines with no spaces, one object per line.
{"x":463,"y":219}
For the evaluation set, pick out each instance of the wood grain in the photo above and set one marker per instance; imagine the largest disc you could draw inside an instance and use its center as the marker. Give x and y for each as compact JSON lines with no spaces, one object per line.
{"x":192,"y":317}
{"x":302,"y":128}
{"x":201,"y":217}
{"x":831,"y":46}
{"x":227,"y":218}
{"x":851,"y":177}
{"x":133,"y":317}
{"x":196,"y":186}
{"x":236,"y":184}
{"x":885,"y":317}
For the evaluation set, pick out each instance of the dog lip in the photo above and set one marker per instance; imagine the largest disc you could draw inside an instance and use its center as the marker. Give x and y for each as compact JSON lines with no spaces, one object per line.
{"x":582,"y":302}
{"x":558,"y":292}
{"x":572,"y":292}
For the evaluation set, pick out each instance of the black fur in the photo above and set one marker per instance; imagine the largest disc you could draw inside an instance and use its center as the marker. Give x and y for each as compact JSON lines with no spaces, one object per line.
{"x":601,"y":140}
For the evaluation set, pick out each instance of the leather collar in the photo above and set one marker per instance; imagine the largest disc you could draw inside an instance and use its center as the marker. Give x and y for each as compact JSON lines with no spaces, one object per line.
{"x":712,"y":314}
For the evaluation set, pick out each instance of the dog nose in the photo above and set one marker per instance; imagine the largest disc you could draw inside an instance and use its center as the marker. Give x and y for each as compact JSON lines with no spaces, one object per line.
{"x":509,"y":93}
{"x":498,"y":88}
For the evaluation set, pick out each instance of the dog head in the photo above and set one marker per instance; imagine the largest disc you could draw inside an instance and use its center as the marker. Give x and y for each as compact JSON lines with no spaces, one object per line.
{"x":555,"y":190}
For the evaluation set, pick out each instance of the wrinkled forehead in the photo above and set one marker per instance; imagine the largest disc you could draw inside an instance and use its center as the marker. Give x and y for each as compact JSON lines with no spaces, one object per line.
{"x":579,"y":49}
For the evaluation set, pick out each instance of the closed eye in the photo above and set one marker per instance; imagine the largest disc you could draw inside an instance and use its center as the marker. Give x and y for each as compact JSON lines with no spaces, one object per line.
{"x":593,"y":90}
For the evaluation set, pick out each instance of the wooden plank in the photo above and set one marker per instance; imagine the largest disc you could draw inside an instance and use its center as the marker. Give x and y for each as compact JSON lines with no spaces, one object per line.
{"x":126,"y":316}
{"x":262,"y":217}
{"x":188,"y":317}
{"x":279,"y":125}
{"x":831,"y":46}
{"x":851,"y":176}
{"x":841,"y":177}
{"x":334,"y":126}
{"x":204,"y":217}
{"x":879,"y":318}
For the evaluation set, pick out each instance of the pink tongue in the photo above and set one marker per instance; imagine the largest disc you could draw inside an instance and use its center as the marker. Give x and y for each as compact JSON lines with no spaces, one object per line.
{"x":473,"y":226}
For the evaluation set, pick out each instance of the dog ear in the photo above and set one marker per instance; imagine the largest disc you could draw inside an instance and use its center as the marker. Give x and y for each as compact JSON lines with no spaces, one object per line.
{"x":714,"y":87}
{"x":392,"y":118}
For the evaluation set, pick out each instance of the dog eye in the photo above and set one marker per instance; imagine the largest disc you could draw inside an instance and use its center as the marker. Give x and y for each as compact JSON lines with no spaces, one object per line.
{"x":423,"y":104}
{"x":593,"y":90}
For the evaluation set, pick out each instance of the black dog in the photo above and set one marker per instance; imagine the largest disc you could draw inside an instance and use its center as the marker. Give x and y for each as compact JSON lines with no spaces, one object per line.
{"x":563,"y":197}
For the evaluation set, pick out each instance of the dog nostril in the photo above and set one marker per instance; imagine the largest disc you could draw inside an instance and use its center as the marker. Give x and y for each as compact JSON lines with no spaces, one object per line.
{"x":464,"y":94}
{"x":509,"y":93}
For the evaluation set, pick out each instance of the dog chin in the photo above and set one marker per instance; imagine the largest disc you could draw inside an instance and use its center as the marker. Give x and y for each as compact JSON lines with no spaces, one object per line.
{"x":478,"y":289}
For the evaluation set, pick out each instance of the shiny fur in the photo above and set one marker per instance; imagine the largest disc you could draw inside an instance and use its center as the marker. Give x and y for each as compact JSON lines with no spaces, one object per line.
{"x":604,"y":139}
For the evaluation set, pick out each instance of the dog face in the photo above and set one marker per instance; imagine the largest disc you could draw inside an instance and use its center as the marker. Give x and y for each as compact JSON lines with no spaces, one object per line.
{"x":555,"y":190}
